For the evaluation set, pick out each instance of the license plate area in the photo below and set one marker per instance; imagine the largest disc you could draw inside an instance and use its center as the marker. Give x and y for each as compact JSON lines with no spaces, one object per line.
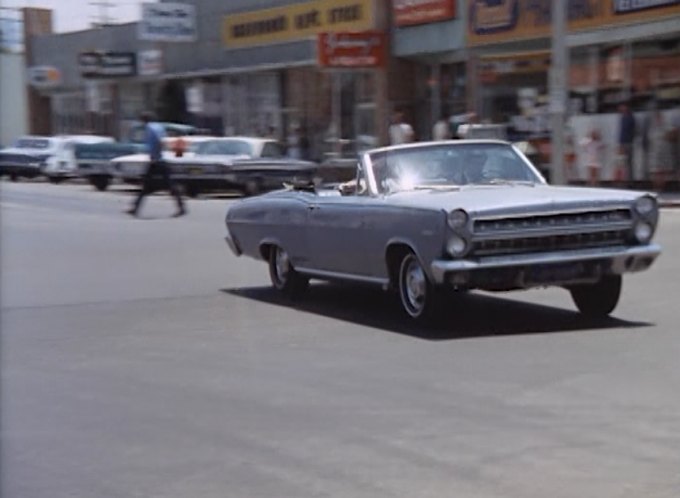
{"x":561,"y":273}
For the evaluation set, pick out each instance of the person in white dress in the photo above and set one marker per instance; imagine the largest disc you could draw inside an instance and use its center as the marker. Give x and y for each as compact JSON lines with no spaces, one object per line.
{"x":660,"y":157}
{"x":441,"y":129}
{"x":593,"y":150}
{"x":400,"y":131}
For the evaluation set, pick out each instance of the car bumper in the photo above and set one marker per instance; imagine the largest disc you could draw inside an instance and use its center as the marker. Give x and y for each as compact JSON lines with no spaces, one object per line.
{"x":618,"y":260}
{"x":21,"y":169}
{"x":232,"y":245}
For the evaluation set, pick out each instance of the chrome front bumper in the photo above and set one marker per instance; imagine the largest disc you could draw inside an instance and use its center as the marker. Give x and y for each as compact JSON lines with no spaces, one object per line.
{"x":621,"y":259}
{"x":232,"y":245}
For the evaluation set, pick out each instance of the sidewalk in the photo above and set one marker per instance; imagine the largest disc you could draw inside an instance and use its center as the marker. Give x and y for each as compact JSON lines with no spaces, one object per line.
{"x":669,"y":200}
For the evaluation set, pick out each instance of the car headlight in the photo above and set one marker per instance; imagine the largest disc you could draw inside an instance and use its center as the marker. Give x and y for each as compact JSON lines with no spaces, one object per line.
{"x":645,"y":205}
{"x":456,"y":246}
{"x":643,"y":232}
{"x":457,"y":219}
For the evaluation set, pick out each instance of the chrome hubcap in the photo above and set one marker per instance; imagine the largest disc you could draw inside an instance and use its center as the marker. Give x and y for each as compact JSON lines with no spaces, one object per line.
{"x":415,"y":286}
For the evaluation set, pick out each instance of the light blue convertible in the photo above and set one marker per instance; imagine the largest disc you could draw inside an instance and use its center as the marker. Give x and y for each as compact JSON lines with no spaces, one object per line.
{"x":428,"y":219}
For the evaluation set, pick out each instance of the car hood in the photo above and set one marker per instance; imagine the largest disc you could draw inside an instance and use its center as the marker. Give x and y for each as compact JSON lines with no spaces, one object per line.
{"x":22,"y":151}
{"x":191,"y":158}
{"x":492,"y":200}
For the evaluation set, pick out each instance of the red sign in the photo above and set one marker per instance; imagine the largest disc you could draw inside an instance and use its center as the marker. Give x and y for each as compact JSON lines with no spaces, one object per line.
{"x":351,"y":50}
{"x":409,"y":12}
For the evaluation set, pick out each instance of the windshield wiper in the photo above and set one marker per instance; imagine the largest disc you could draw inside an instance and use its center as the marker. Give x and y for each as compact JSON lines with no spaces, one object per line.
{"x":436,"y":187}
{"x":502,"y":181}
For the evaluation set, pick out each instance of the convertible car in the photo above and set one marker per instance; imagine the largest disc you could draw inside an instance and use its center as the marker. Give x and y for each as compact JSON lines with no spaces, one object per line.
{"x":430,"y":218}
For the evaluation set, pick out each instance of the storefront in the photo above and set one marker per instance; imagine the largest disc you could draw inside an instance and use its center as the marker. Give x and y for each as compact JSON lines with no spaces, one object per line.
{"x":430,"y":66}
{"x":242,"y":71}
{"x":618,"y":52}
{"x":334,"y":99}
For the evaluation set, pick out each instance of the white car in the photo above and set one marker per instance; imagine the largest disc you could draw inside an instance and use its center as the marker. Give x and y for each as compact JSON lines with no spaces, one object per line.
{"x":27,"y":157}
{"x":62,"y":163}
{"x":131,"y":168}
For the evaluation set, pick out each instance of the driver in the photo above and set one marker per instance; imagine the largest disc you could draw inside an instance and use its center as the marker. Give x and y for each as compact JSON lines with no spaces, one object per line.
{"x":474,"y":171}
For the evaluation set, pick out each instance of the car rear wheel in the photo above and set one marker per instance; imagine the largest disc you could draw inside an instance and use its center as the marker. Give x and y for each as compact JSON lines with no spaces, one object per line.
{"x":417,"y":294}
{"x":597,"y":300}
{"x":283,"y":276}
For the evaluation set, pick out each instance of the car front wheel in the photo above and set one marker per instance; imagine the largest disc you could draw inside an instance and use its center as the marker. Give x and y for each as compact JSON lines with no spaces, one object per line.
{"x":101,"y":183}
{"x":597,"y":300}
{"x":417,"y":294}
{"x":283,"y":276}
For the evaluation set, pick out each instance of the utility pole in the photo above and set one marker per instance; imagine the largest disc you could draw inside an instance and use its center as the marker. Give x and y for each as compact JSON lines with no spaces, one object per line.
{"x":558,"y":82}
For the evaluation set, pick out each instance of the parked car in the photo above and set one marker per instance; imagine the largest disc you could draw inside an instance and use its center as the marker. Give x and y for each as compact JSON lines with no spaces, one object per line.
{"x":430,"y":218}
{"x":94,"y":160}
{"x":62,"y":164}
{"x":249,"y":164}
{"x":131,"y":168}
{"x":27,"y":157}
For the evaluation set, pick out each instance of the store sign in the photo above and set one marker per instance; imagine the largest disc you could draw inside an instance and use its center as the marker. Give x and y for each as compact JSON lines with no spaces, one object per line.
{"x":167,"y":22}
{"x":351,"y":50}
{"x":149,"y":62}
{"x":625,"y":6}
{"x":410,"y":12}
{"x":107,"y":64}
{"x":497,"y":21}
{"x":43,"y":77}
{"x":297,"y":22}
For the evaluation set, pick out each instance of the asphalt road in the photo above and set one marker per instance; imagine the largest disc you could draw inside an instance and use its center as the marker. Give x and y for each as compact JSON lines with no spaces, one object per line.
{"x":140,"y":358}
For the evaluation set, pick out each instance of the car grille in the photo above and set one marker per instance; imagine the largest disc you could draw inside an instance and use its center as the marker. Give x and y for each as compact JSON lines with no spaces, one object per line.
{"x":551,"y":232}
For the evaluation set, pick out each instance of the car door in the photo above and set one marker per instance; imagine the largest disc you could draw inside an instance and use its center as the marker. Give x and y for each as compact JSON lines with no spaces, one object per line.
{"x":336,"y":232}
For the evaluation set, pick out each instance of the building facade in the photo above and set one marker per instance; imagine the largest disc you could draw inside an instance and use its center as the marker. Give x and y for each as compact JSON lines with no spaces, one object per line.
{"x":284,"y":67}
{"x":250,"y":68}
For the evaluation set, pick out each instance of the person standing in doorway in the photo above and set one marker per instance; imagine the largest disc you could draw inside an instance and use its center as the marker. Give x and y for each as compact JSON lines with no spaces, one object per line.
{"x":154,"y":134}
{"x":400,"y":131}
{"x":441,"y":129}
{"x":593,"y":149}
{"x":626,"y":139}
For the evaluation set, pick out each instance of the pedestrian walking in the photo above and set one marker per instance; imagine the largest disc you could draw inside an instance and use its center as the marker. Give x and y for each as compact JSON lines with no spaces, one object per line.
{"x":157,"y":168}
{"x":660,"y":153}
{"x":626,"y":139}
{"x":400,"y":131}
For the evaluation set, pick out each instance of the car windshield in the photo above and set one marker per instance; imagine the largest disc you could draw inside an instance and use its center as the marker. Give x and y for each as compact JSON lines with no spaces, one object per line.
{"x":225,"y":148}
{"x":449,"y":165}
{"x":32,"y":143}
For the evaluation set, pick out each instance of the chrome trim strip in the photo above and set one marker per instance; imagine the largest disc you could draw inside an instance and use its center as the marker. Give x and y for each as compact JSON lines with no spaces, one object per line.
{"x":618,"y":255}
{"x":526,"y":233}
{"x":581,"y":210}
{"x":332,"y":275}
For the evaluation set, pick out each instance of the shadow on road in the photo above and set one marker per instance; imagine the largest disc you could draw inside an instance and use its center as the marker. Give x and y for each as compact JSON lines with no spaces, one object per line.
{"x":465,"y":316}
